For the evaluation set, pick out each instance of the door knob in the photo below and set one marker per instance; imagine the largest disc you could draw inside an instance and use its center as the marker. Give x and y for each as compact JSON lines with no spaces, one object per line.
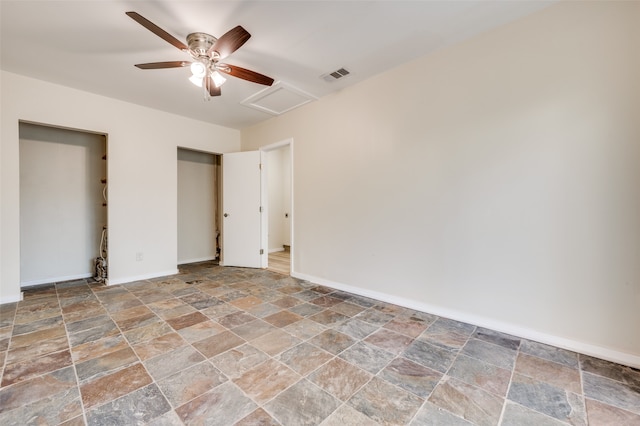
{"x":226,"y":214}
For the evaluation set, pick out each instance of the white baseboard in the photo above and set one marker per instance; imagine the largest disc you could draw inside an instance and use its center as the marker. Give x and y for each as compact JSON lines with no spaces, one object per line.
{"x":275,"y":250}
{"x":124,"y":280}
{"x":608,"y":354}
{"x":12,"y":299}
{"x":55,"y":280}
{"x":196,"y":260}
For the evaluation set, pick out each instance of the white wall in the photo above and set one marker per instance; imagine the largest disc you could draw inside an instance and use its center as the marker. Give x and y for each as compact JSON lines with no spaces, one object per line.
{"x":142,"y":172}
{"x":495,"y":181}
{"x":197,"y":206}
{"x":279,"y":193}
{"x":61,"y":203}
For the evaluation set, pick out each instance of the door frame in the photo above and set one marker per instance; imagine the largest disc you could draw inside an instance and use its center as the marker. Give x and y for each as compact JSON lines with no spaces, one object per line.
{"x":265,"y":197}
{"x":217,"y":194}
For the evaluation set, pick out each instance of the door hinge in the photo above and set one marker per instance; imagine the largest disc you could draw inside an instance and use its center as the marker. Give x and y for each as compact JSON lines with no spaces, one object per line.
{"x":260,"y":209}
{"x":261,"y":251}
{"x":260,"y":166}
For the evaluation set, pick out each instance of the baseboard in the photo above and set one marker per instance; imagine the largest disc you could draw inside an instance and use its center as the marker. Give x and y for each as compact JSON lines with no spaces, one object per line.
{"x":125,"y":280}
{"x":11,"y":299}
{"x":275,"y":250}
{"x":55,"y":280}
{"x":624,"y":358}
{"x":196,"y":260}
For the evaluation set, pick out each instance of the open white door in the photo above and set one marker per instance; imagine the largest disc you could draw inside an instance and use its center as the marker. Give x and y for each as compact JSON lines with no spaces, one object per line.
{"x":241,"y":229}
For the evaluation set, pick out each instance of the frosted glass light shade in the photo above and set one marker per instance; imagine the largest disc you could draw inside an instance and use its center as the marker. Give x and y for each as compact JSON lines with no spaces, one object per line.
{"x":218,"y":79}
{"x":196,"y":80}
{"x":198,"y":69}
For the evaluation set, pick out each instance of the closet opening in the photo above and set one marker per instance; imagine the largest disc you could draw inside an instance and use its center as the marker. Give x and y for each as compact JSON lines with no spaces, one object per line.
{"x":63,"y":205}
{"x":198,"y":206}
{"x":279,"y":206}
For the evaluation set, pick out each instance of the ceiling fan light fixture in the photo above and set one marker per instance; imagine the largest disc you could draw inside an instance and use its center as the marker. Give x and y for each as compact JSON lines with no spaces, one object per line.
{"x":196,"y":80}
{"x":198,"y":69}
{"x":218,"y":79}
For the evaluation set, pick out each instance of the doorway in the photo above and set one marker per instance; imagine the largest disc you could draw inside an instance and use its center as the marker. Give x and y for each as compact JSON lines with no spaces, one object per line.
{"x":198,"y":206}
{"x":278,"y":193}
{"x":63,"y":203}
{"x":245,"y":194}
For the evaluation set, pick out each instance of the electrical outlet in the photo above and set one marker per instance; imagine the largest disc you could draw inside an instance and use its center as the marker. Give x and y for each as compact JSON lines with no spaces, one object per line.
{"x":139,"y":256}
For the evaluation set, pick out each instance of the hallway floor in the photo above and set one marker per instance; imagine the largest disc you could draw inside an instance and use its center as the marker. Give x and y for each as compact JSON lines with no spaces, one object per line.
{"x":227,"y":346}
{"x":280,"y":262}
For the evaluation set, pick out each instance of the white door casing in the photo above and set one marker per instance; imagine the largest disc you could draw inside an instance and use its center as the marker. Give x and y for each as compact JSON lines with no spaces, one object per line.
{"x":265,"y":197}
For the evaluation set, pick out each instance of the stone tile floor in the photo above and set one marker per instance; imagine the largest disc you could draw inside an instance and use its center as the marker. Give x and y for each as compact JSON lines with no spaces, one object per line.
{"x":227,"y":346}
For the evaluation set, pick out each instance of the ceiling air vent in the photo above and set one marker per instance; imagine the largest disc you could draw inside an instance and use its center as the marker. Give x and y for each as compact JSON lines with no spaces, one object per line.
{"x":336,"y":75}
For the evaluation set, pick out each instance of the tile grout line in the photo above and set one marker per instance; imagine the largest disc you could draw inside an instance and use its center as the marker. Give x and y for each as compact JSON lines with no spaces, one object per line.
{"x":584,"y":397}
{"x":506,"y":396}
{"x":6,"y":356}
{"x":75,"y":371}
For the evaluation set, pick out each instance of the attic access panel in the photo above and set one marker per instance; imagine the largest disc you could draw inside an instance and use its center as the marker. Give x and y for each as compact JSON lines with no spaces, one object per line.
{"x":278,"y":99}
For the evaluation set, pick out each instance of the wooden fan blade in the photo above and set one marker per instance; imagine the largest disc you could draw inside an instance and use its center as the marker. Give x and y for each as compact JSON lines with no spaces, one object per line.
{"x":160,"y":65}
{"x":245,"y":74}
{"x":213,"y":90}
{"x":230,"y":41}
{"x":157,"y":30}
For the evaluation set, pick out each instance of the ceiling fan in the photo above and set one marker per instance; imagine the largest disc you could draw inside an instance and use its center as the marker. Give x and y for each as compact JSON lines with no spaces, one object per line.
{"x":206,"y":52}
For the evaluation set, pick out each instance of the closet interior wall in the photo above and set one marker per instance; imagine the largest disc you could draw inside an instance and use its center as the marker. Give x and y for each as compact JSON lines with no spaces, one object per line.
{"x":62,"y":205}
{"x":198,"y":201}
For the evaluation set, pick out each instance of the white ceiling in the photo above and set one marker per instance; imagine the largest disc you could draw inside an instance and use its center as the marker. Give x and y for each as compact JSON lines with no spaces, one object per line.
{"x":92,"y":45}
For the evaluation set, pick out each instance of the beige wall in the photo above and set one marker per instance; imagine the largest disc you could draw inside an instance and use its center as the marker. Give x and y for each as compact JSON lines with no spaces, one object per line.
{"x":496,"y":182}
{"x":141,"y":169}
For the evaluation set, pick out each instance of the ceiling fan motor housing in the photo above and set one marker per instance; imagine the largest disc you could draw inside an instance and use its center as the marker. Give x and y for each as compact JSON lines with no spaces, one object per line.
{"x":200,"y":43}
